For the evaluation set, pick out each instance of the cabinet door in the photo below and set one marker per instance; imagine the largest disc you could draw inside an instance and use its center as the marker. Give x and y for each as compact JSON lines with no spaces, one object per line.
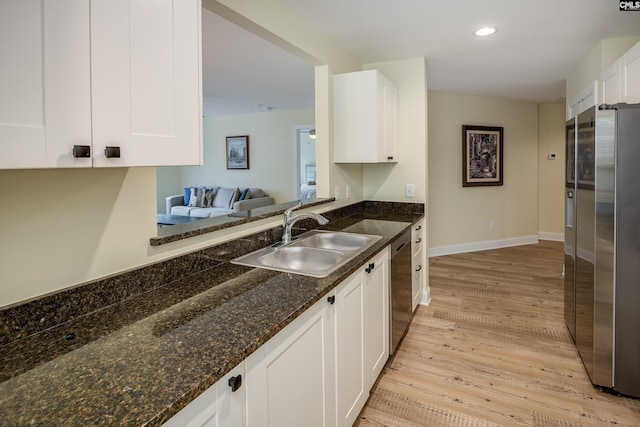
{"x":389,"y":136}
{"x":44,"y":81}
{"x":364,"y":118}
{"x":146,"y":81}
{"x":218,"y":406}
{"x":286,"y":377}
{"x":351,"y":349}
{"x":377,"y":326}
{"x":612,"y":83}
{"x":631,"y":75}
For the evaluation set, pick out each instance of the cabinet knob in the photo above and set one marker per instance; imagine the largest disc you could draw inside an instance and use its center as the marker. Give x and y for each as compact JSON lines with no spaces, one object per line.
{"x":331,"y":299}
{"x":112,"y":152}
{"x":235,"y":382}
{"x":370,"y":268}
{"x":80,"y":151}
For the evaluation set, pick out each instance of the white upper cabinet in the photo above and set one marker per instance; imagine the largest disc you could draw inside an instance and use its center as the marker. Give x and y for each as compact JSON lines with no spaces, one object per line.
{"x":364,"y":118}
{"x":145,"y":81}
{"x":45,"y":106}
{"x":584,"y":100}
{"x":97,"y":74}
{"x":612,"y":83}
{"x":631,"y":75}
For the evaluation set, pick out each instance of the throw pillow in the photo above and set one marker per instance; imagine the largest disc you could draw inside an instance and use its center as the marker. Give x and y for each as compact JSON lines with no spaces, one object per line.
{"x":200,"y":197}
{"x":236,"y":196}
{"x":187,"y":196}
{"x":223,"y":197}
{"x":209,"y":194}
{"x":244,"y":194}
{"x":193,"y":197}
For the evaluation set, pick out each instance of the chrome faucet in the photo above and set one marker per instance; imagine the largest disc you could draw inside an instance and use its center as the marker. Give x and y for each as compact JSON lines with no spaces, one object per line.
{"x":290,"y":220}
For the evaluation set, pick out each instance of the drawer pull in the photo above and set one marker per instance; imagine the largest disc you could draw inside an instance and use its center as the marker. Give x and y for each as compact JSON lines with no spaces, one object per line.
{"x":235,"y":382}
{"x":419,"y":268}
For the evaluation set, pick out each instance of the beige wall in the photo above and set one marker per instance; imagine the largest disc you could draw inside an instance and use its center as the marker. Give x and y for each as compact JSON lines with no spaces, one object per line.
{"x":271,"y":155}
{"x":551,"y":139}
{"x":461,"y":216}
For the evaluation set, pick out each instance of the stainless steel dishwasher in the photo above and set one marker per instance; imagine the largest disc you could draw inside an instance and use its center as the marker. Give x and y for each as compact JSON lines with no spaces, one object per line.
{"x":401,"y":310}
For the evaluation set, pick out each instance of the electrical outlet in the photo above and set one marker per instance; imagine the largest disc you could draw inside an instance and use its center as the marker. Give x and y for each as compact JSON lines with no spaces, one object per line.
{"x":347,"y":191}
{"x":408,"y":191}
{"x":337,"y":193}
{"x":492,"y":225}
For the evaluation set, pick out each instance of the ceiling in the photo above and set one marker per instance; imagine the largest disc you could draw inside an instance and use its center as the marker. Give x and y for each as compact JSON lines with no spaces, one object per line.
{"x":537,"y":44}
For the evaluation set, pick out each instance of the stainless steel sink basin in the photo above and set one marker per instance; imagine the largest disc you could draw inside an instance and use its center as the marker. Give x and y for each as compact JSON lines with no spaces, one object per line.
{"x":302,"y":259}
{"x":336,"y":241}
{"x":315,"y":253}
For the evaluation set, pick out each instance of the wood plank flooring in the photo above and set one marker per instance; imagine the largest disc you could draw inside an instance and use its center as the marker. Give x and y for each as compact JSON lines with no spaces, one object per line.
{"x":492,"y":349}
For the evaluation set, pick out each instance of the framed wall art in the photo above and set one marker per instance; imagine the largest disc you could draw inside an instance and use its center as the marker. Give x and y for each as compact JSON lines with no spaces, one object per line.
{"x":481,"y":155}
{"x":238,"y":152}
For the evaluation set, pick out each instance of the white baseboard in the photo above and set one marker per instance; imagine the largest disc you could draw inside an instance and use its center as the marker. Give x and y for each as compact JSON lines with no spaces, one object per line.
{"x":425,"y":297}
{"x":546,"y":235}
{"x":482,"y":246}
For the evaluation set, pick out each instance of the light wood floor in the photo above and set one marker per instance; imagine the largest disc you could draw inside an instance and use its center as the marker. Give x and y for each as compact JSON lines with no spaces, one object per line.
{"x":492,"y":349}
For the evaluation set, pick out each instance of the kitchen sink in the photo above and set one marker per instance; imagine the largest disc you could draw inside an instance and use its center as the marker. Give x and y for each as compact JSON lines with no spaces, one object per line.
{"x":336,"y":241}
{"x":315,"y":253}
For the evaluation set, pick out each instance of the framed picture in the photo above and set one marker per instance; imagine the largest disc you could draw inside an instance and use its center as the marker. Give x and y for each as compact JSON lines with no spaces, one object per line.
{"x":238,"y":152}
{"x":481,"y":155}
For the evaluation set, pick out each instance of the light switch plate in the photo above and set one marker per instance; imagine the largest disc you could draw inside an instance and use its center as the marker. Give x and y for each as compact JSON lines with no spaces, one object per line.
{"x":408,"y":191}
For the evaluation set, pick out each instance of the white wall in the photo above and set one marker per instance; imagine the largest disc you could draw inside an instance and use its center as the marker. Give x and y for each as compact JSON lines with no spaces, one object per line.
{"x":551,"y":139}
{"x":271,"y":155}
{"x":459,"y":218}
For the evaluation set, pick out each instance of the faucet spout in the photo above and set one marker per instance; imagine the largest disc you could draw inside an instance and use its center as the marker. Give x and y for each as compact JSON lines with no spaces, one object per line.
{"x":289,"y":221}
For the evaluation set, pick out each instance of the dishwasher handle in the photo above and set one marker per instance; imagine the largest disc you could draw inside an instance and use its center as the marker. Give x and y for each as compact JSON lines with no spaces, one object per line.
{"x":402,"y":242}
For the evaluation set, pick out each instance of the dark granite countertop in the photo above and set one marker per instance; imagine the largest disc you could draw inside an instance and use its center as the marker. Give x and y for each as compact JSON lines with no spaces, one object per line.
{"x":140,"y":360}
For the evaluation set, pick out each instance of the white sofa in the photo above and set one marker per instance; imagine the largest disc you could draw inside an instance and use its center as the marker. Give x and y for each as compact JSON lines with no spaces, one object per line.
{"x":207,"y":202}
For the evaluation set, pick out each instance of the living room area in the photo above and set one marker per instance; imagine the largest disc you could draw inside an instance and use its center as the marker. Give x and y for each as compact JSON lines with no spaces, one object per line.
{"x":258,"y":145}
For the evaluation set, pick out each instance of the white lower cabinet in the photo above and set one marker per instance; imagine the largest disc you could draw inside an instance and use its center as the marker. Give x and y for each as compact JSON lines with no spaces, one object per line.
{"x":362,"y":335}
{"x":417,"y":238}
{"x":290,"y":378}
{"x":221,"y":405}
{"x":317,"y":371}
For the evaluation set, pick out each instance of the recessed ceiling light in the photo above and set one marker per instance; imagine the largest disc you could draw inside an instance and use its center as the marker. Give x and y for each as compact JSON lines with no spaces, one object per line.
{"x":486,"y":31}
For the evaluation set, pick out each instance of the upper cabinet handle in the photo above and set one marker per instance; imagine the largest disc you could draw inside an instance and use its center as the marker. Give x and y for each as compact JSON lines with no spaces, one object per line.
{"x":112,"y":152}
{"x":80,"y":151}
{"x":418,"y":228}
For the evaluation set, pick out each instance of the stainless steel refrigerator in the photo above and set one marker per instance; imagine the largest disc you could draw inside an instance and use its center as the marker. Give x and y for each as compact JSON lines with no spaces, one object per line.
{"x":602,"y":244}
